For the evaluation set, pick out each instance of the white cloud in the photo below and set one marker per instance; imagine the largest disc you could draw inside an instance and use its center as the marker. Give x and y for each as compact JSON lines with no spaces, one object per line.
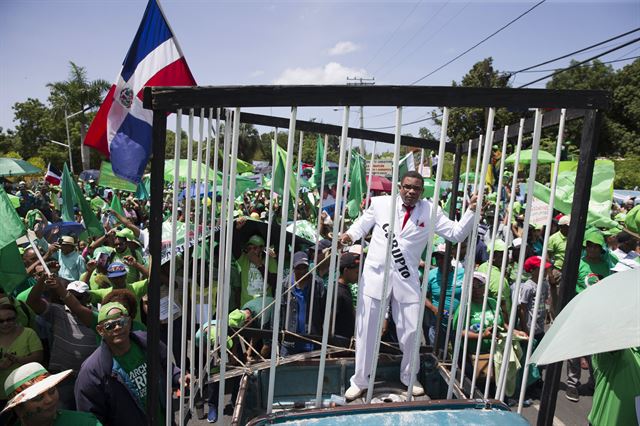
{"x":343,"y":47}
{"x":331,"y":73}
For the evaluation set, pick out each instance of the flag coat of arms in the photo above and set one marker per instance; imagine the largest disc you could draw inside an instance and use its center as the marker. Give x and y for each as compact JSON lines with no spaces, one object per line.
{"x":122,"y":128}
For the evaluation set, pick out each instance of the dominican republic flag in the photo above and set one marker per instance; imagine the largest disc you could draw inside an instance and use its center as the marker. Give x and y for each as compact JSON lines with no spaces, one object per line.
{"x":53,"y":175}
{"x":121,"y":129}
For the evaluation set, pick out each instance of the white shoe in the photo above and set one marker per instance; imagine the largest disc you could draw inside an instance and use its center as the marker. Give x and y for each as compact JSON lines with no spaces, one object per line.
{"x":418,"y":390}
{"x":353,"y":392}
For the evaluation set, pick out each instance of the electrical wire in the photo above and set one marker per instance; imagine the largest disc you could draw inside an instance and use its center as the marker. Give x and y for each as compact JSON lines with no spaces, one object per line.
{"x":393,"y":34}
{"x":479,"y":43}
{"x":575,"y":52}
{"x":581,"y":63}
{"x":607,"y":62}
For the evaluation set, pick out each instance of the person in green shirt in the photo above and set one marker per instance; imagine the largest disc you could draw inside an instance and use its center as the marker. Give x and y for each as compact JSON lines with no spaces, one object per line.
{"x":595,"y":265}
{"x":128,"y":251}
{"x":251,"y":269}
{"x":117,"y":274}
{"x":557,"y":246}
{"x":34,"y":399}
{"x":617,"y":376}
{"x":499,"y":250}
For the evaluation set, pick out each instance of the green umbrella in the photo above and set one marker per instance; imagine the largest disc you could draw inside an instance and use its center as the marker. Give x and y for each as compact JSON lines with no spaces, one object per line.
{"x":16,"y":167}
{"x":577,"y":332}
{"x":472,"y":176}
{"x":525,"y":157}
{"x":169,"y":170}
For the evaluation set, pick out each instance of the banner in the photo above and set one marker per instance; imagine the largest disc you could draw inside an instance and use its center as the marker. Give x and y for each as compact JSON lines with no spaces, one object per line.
{"x":109,"y":180}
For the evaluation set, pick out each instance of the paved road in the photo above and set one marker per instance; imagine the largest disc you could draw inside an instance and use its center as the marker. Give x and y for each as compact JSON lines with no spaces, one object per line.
{"x":567,"y":413}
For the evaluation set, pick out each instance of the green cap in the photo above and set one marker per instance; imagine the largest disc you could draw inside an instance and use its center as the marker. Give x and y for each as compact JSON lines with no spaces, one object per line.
{"x":103,"y":314}
{"x":595,"y":236}
{"x":255,"y":306}
{"x":632,"y":221}
{"x":499,"y":245}
{"x":126,"y":233}
{"x":256,"y":240}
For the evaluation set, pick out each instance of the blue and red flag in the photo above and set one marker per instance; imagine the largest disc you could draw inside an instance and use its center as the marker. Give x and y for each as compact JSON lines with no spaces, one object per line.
{"x":121,"y":129}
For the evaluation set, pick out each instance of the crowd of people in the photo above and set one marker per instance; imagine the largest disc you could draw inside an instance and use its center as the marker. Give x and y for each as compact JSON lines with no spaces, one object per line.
{"x":72,"y":335}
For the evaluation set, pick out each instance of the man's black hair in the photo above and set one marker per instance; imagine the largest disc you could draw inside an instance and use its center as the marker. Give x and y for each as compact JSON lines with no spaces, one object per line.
{"x":412,"y":174}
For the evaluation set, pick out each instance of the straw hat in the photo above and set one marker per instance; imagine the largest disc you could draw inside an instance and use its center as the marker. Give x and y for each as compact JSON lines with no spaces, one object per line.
{"x":14,"y":385}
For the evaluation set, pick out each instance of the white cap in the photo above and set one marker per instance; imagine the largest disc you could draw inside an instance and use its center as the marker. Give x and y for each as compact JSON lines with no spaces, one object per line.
{"x":78,"y":287}
{"x":564,"y":220}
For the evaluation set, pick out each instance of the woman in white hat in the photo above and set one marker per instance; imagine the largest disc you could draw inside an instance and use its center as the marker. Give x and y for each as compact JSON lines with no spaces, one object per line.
{"x":34,"y":398}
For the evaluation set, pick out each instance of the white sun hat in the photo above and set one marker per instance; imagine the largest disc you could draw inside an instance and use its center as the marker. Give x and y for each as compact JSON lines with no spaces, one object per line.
{"x":15,"y":384}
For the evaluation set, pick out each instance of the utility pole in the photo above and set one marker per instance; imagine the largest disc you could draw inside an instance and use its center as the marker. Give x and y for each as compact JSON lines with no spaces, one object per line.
{"x":360,"y":81}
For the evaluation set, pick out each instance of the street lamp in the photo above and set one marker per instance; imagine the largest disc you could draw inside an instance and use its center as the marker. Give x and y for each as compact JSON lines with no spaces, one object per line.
{"x":68,"y":147}
{"x":66,"y":122}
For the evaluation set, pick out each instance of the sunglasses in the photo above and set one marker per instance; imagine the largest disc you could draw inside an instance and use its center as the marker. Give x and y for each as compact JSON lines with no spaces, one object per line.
{"x":111,"y":325}
{"x":8,"y":320}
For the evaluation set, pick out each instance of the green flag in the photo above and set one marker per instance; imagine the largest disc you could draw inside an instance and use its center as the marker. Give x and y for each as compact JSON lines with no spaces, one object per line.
{"x":405,"y":165}
{"x":357,"y":184}
{"x":115,"y":204}
{"x":279,"y":170}
{"x":68,"y":196}
{"x":599,"y":213}
{"x":12,"y":272}
{"x":72,"y":195}
{"x":142,"y":193}
{"x":317,"y":170}
{"x":11,"y":226}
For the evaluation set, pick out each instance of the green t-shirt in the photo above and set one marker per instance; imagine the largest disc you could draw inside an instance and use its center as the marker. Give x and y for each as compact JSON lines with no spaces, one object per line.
{"x":557,"y":248}
{"x":99,"y":280}
{"x":134,"y":364}
{"x":494,"y":284}
{"x":251,"y":279}
{"x":132,"y":274}
{"x":474,"y":320}
{"x":617,"y":376}
{"x":75,"y":418}
{"x":590,"y":273}
{"x":26,"y":343}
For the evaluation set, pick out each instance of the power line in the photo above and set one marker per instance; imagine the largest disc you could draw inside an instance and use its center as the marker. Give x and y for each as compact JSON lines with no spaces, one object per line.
{"x":393,"y":34}
{"x":580,"y":63}
{"x":410,"y":54}
{"x":479,"y":43}
{"x":407,"y":124}
{"x":573,"y":53}
{"x":427,"y":22}
{"x":555,"y":69}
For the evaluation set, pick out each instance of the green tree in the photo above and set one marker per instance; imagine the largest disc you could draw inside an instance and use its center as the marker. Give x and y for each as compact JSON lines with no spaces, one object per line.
{"x":620,"y":130}
{"x":8,"y":141}
{"x":468,"y":123}
{"x":77,"y":93}
{"x":34,"y":126}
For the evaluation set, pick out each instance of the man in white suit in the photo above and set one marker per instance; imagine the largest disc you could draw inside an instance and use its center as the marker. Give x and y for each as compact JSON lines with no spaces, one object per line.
{"x":410,"y":230}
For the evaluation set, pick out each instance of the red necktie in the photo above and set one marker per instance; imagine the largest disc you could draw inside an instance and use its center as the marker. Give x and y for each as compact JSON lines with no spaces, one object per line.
{"x":407,"y":214}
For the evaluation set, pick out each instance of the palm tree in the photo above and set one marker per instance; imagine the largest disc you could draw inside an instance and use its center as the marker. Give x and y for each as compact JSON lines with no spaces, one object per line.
{"x":77,"y":93}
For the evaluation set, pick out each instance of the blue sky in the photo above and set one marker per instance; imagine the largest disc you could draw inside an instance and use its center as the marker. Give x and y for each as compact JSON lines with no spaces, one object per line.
{"x":267,"y":42}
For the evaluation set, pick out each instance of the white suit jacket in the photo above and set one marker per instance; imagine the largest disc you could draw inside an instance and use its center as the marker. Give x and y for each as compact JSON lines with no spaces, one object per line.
{"x":407,"y":248}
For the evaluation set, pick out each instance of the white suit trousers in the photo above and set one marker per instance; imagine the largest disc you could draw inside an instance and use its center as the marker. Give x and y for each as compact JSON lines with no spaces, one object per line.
{"x":405,"y":316}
